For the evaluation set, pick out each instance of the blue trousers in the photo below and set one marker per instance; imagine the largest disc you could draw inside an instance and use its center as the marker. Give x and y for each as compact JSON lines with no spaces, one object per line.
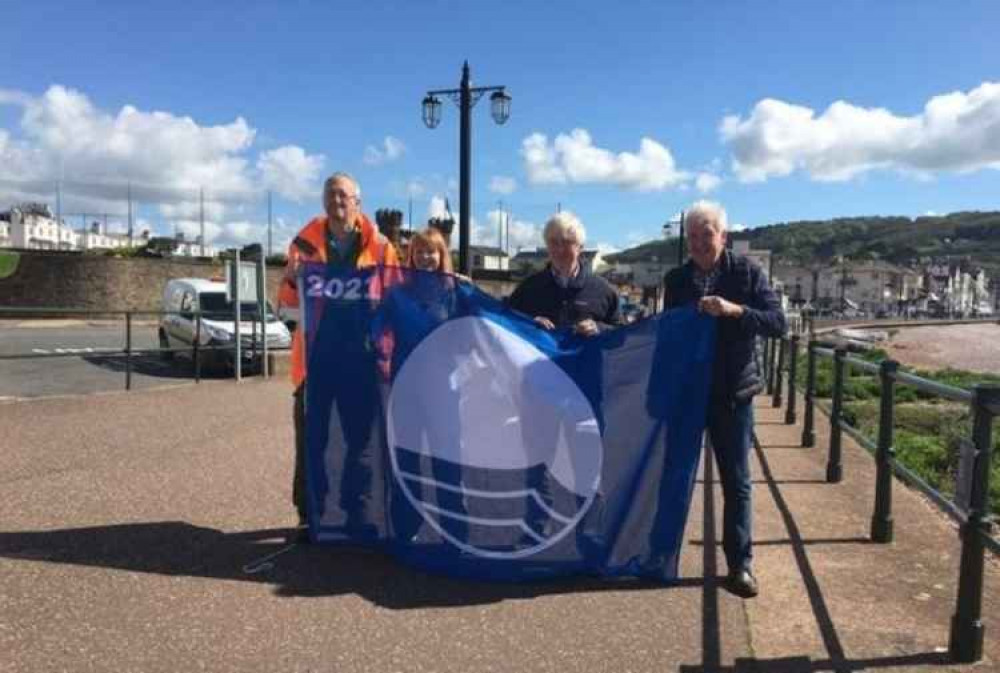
{"x":730,"y":429}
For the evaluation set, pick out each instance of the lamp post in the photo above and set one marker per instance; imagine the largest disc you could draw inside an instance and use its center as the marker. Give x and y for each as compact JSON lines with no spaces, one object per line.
{"x":465,"y":97}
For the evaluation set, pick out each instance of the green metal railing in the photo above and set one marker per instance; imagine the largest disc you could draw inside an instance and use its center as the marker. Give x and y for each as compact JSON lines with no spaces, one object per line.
{"x":972,"y":509}
{"x":197,"y":350}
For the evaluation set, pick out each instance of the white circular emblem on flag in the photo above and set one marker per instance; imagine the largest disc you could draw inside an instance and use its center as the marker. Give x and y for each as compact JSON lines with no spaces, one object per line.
{"x":491,"y":441}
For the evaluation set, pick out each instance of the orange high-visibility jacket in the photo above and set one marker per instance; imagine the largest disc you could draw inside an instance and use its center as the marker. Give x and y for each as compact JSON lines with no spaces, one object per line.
{"x":310,"y":246}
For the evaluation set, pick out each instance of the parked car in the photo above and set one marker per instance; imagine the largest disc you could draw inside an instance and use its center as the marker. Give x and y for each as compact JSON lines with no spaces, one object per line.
{"x":632,"y":312}
{"x":184,"y":298}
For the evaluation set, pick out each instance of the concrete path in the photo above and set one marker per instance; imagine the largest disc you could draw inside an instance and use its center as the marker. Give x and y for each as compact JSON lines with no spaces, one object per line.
{"x":131,"y":525}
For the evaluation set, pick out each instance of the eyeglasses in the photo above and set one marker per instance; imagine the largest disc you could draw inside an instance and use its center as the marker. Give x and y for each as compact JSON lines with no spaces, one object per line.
{"x":340,"y":195}
{"x":561,"y":242}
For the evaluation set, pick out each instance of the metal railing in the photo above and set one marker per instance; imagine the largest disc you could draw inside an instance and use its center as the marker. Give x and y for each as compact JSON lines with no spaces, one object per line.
{"x":198,"y":351}
{"x":971,"y":505}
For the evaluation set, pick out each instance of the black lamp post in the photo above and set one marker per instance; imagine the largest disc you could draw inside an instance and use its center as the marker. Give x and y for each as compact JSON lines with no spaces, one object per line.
{"x":465,"y":97}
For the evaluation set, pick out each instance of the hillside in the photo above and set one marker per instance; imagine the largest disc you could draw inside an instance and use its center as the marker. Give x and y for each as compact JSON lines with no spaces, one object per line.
{"x":973,"y":236}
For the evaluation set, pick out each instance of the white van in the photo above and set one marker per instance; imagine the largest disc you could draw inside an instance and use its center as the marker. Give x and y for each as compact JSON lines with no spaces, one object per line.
{"x":184,"y":297}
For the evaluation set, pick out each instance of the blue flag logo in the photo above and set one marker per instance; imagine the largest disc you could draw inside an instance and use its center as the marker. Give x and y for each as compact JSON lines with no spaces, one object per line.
{"x":464,"y":439}
{"x":478,"y":400}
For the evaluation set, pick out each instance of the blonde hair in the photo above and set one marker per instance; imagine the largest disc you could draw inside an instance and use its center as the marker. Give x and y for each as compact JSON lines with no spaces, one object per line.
{"x":432,"y":239}
{"x":565,"y":223}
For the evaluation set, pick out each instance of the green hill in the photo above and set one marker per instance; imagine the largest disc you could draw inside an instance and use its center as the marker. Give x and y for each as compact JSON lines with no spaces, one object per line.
{"x":970,"y":236}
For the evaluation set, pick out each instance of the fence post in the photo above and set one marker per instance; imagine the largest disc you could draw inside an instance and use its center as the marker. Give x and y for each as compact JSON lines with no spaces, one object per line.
{"x":770,"y":368}
{"x":882,"y":525}
{"x":128,"y":350}
{"x":776,"y":400}
{"x":793,"y":357}
{"x":808,"y":435}
{"x":197,"y":347}
{"x":769,"y":364}
{"x":966,"y":642}
{"x":834,"y":466}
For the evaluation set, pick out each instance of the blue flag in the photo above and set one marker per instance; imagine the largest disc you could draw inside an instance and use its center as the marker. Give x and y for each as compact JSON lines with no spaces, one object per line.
{"x":465,"y":439}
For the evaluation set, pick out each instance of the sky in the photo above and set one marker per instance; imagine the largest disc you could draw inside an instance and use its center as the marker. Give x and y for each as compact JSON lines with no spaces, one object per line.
{"x":623,"y":113}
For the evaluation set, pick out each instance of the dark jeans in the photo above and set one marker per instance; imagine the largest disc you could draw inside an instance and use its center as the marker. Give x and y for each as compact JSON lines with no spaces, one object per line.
{"x":299,"y":478}
{"x":730,"y":429}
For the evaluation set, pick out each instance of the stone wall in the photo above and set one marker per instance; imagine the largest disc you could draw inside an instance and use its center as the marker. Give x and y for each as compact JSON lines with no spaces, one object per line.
{"x":49,"y":279}
{"x":73,"y":280}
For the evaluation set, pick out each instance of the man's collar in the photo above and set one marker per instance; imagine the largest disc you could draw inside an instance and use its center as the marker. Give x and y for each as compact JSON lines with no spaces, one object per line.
{"x":573,"y":280}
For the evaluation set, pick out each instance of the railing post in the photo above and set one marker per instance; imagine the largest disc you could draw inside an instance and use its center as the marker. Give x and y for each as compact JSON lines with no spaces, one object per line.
{"x":197,"y":347}
{"x":776,"y":400}
{"x":765,"y":361}
{"x":834,"y":466}
{"x":128,"y":350}
{"x":772,"y":343}
{"x":882,"y":525}
{"x":808,"y":435}
{"x":966,"y":643}
{"x":793,"y":357}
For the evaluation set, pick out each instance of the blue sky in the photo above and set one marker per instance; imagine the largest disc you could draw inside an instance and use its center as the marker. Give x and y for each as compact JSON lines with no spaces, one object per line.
{"x":623,"y":113}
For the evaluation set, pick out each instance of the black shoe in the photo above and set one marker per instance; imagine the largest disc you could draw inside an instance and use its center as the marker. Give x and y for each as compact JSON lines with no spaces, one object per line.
{"x":301,"y":535}
{"x":742,"y":583}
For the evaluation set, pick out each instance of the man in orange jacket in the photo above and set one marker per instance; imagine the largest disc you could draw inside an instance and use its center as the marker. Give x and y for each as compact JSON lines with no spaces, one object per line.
{"x":344,"y":238}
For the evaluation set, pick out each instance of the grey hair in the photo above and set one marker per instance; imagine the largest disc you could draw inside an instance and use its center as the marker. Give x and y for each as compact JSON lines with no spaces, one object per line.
{"x":341,"y":175}
{"x":565,"y":222}
{"x":708,"y":212}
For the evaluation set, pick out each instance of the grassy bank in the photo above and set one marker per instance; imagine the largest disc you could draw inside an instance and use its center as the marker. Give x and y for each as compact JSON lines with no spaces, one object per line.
{"x":929,"y":429}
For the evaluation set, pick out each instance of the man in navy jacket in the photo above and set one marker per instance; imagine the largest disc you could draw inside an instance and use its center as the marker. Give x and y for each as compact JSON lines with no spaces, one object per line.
{"x":565,"y":294}
{"x":734,"y":290}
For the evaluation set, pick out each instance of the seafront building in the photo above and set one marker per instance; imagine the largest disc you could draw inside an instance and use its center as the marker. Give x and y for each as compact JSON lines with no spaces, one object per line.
{"x":31,"y":226}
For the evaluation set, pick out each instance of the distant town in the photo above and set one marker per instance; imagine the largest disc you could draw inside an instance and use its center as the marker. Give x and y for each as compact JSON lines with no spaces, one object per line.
{"x":847,"y":288}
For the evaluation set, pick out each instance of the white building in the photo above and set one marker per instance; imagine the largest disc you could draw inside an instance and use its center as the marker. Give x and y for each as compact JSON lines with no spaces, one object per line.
{"x":31,"y":226}
{"x":958,"y":289}
{"x":527,"y":262}
{"x":490,"y":258}
{"x":874,"y":287}
{"x":761,"y":257}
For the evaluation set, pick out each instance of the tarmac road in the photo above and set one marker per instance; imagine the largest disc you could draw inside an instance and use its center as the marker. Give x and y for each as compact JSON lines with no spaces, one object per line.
{"x":87,"y":364}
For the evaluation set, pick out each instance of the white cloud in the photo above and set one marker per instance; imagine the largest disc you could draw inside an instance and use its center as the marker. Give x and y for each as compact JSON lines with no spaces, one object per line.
{"x":436,"y":208}
{"x":606,"y":248}
{"x":706,"y":182}
{"x":291,"y":172}
{"x":391,"y":149}
{"x":501,"y":184}
{"x":574,"y":158}
{"x":955,"y":132}
{"x":522,"y":234}
{"x":99,"y":157}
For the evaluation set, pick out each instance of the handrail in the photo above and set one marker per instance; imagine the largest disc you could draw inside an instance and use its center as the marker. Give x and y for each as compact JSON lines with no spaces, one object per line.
{"x":966,"y":639}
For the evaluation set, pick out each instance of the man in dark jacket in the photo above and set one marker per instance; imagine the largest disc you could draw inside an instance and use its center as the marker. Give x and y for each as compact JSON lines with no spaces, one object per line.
{"x":734,"y":290}
{"x":565,"y":294}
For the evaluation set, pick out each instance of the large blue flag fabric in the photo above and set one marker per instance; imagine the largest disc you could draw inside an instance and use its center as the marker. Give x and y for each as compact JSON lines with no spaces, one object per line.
{"x":465,"y":439}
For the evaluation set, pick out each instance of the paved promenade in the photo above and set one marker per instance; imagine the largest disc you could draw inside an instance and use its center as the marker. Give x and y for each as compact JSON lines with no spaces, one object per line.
{"x":129,"y":522}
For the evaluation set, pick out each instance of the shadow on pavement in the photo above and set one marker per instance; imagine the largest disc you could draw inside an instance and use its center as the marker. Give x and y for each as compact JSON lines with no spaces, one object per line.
{"x":180,"y":549}
{"x":711,"y":644}
{"x":154,"y":366}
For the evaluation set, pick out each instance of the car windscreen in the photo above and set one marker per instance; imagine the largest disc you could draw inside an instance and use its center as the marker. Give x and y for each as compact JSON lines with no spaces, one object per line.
{"x":215,"y":305}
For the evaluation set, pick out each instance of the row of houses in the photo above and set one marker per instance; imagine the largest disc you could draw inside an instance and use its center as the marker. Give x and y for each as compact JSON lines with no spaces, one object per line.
{"x":878,"y":288}
{"x":872,"y":287}
{"x":31,"y":226}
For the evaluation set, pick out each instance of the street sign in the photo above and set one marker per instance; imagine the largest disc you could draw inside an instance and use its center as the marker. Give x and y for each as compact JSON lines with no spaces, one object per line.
{"x":247,"y":277}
